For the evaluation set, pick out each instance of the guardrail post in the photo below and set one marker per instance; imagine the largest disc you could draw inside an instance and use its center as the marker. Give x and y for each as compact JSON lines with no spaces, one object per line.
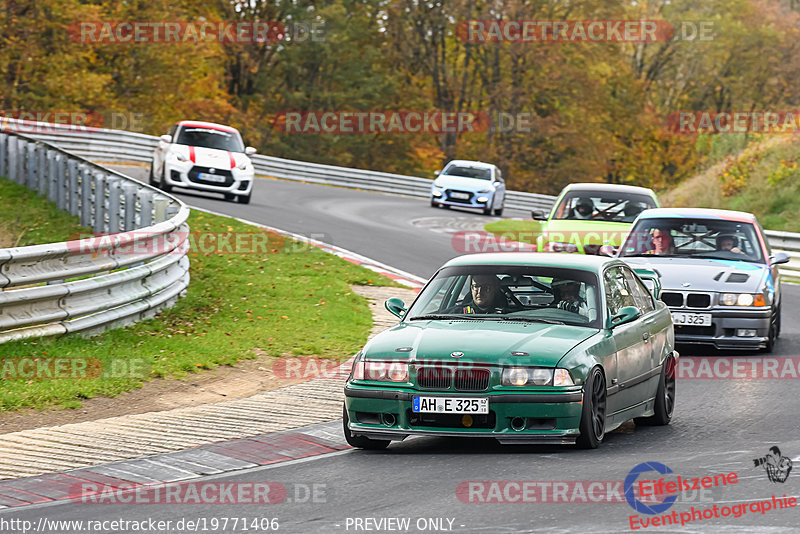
{"x":13,"y":144}
{"x":52,"y":175}
{"x":113,"y":205}
{"x":3,"y":153}
{"x":99,"y":203}
{"x":129,"y":195}
{"x":33,"y":168}
{"x":61,"y":182}
{"x":73,"y":190}
{"x":41,"y":168}
{"x":160,"y":209}
{"x":86,"y":196}
{"x":146,"y":213}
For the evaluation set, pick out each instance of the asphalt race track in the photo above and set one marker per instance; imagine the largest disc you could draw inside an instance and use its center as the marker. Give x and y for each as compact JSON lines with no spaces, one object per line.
{"x":719,"y":425}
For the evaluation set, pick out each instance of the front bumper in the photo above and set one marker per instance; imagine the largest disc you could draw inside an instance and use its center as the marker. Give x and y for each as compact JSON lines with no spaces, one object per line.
{"x":724,"y":325}
{"x":530,"y":418}
{"x":185,"y":174}
{"x":474,"y":200}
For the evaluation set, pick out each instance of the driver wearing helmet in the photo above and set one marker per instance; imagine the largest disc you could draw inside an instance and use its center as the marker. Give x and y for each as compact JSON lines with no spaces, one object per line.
{"x":583,"y":209}
{"x":728,"y":243}
{"x":567,"y":296}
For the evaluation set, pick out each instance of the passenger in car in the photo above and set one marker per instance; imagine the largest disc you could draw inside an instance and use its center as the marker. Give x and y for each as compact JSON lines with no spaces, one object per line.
{"x":662,"y":242}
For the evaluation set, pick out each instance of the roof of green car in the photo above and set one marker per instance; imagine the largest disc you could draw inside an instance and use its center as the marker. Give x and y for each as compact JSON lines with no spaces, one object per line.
{"x":569,"y":261}
{"x":610,"y":188}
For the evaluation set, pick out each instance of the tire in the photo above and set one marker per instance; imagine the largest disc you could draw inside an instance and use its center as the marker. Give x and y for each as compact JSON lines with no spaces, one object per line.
{"x":772,"y":335}
{"x":229,"y":196}
{"x":150,"y":179}
{"x":778,"y":323}
{"x":360,"y":442}
{"x":243,"y":199}
{"x":164,"y":186}
{"x":665,"y":397}
{"x":593,"y":418}
{"x":499,"y":212}
{"x":433,"y":204}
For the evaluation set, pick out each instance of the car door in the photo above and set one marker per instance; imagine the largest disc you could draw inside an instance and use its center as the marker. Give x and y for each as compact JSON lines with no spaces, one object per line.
{"x":631,"y":341}
{"x":654,"y":324}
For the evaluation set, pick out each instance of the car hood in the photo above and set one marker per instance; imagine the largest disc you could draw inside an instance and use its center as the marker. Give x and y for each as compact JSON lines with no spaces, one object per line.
{"x":459,"y":182}
{"x":589,"y":232}
{"x":211,"y":157}
{"x":485,"y":342}
{"x":703,"y":274}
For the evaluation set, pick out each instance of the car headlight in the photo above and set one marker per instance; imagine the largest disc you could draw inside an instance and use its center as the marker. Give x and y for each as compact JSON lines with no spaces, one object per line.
{"x":436,"y":183}
{"x":536,"y":376}
{"x":742,"y":299}
{"x":244,"y":165}
{"x":484,"y":191}
{"x":181,"y":157}
{"x":557,"y":246}
{"x":381,"y":371}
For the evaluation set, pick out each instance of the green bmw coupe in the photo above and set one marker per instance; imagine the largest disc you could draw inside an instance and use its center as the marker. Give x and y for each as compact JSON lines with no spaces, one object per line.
{"x":522,"y":347}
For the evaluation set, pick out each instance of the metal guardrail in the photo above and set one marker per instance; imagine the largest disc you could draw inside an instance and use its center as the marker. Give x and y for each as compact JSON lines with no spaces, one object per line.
{"x":89,"y":285}
{"x":122,"y":146}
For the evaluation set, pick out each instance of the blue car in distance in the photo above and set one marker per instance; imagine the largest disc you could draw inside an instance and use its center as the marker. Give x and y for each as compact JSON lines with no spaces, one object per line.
{"x":470,"y":184}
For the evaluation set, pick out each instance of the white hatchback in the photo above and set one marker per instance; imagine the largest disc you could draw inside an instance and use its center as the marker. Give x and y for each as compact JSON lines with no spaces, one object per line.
{"x":204,"y":156}
{"x":470,"y":184}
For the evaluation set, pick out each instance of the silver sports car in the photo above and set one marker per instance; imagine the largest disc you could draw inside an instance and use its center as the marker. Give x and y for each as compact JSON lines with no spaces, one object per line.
{"x":718,"y":275}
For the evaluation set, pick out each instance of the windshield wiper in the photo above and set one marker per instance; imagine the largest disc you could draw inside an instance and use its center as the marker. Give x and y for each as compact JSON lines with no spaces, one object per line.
{"x":738,"y":257}
{"x":445,"y":317}
{"x":533,"y":320}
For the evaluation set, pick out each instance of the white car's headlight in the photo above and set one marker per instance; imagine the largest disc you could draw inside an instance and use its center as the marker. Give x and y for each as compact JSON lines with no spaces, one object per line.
{"x":536,"y":376}
{"x":436,"y":183}
{"x":742,"y":299}
{"x":181,"y":157}
{"x":484,"y":191}
{"x":244,"y":165}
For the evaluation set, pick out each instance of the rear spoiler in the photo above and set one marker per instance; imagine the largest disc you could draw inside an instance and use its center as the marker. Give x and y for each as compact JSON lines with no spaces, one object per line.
{"x":649,"y":275}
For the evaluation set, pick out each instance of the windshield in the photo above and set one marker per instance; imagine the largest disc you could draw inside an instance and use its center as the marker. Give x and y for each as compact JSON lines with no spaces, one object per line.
{"x":702,"y":238}
{"x":602,"y":206}
{"x":209,"y":138}
{"x":481,"y":173}
{"x":516,"y":293}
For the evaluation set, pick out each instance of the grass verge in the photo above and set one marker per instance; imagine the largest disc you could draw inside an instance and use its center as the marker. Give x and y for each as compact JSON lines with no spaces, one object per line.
{"x":293,"y":300}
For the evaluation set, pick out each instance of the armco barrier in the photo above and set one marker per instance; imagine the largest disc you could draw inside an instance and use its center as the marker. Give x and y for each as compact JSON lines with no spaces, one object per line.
{"x":92,"y":284}
{"x":122,"y":146}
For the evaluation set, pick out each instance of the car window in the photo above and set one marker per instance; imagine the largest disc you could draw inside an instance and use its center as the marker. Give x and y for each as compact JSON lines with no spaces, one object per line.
{"x":603,"y":206}
{"x":701,"y":238}
{"x":642,"y":296}
{"x":210,"y":138}
{"x":481,"y":173}
{"x":523,"y":293}
{"x":618,"y":292}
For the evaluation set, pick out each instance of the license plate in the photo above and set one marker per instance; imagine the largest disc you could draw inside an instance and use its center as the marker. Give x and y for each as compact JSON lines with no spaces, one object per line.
{"x":450,"y":405}
{"x":462,"y":196}
{"x":216,"y":178}
{"x":696,"y":319}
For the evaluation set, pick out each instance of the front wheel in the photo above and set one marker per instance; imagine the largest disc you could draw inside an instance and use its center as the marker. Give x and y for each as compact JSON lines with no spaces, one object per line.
{"x":593,"y":417}
{"x":665,"y":397}
{"x":243,"y":199}
{"x":164,"y":186}
{"x":360,"y":442}
{"x":499,"y":212}
{"x":150,"y":179}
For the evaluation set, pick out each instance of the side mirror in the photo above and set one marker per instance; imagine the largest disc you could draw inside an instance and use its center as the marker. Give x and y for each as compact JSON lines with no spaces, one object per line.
{"x":250,"y":150}
{"x":538,"y":215}
{"x":396,"y":306}
{"x":624,"y":316}
{"x":779,"y":257}
{"x":166,"y":138}
{"x":436,"y":173}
